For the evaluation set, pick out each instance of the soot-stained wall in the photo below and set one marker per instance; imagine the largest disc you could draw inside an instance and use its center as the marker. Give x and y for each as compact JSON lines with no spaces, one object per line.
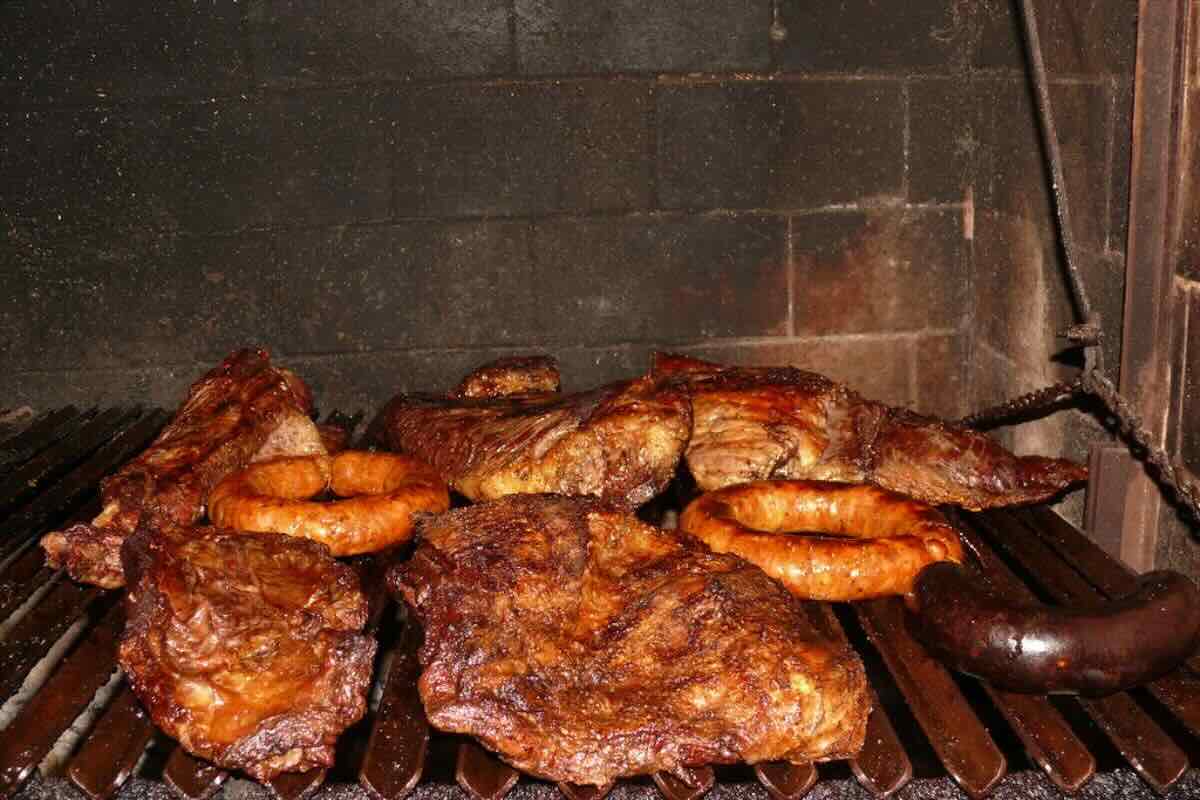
{"x":387,"y":194}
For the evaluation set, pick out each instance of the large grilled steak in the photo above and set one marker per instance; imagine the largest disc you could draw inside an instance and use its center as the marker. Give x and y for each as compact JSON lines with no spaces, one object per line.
{"x":755,"y":423}
{"x":620,"y":443}
{"x":583,"y":645}
{"x":245,"y":647}
{"x":242,"y":409}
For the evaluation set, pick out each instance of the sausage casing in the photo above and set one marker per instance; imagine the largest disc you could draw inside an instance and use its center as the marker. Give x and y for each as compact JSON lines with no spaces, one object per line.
{"x":825,"y":540}
{"x":383,"y":490}
{"x":1041,"y":649}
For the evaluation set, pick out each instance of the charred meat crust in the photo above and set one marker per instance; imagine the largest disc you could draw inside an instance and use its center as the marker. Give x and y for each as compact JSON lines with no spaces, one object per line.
{"x":245,"y":647}
{"x":620,"y":443}
{"x":508,"y":377}
{"x":758,"y":423}
{"x":239,"y":408}
{"x":583,"y":645}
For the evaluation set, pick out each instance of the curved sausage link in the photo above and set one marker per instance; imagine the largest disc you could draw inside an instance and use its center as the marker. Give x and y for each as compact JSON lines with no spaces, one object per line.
{"x":382,"y":492}
{"x":1040,"y":649}
{"x":869,"y":542}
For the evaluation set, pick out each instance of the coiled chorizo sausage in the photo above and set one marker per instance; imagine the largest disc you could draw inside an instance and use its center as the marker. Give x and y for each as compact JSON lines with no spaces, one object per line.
{"x":825,"y":540}
{"x":381,"y":491}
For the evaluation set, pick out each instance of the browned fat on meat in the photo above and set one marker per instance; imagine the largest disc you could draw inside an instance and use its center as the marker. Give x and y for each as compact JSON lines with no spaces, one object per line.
{"x":243,"y":409}
{"x":757,"y":423}
{"x":583,"y":645}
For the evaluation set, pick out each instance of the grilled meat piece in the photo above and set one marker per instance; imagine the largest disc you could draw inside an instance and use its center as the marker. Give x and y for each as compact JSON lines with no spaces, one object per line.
{"x":245,"y":647}
{"x":583,"y":645}
{"x":506,"y":377}
{"x":243,"y":409}
{"x":620,"y":442}
{"x":754,"y":423}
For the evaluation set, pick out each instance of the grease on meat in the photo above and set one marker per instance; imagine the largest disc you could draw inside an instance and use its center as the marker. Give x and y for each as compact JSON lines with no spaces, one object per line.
{"x":243,"y":409}
{"x":245,"y":647}
{"x":757,"y":423}
{"x":620,"y":442}
{"x":583,"y":645}
{"x":507,"y":377}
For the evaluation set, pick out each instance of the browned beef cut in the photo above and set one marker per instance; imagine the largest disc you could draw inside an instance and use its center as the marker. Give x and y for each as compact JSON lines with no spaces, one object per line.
{"x":620,"y":443}
{"x":755,"y":423}
{"x":506,"y":377}
{"x":245,"y":647}
{"x":582,"y":645}
{"x":244,"y":408}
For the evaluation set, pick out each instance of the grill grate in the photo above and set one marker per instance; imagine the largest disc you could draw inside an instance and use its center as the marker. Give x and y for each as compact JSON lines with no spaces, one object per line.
{"x":58,"y":644}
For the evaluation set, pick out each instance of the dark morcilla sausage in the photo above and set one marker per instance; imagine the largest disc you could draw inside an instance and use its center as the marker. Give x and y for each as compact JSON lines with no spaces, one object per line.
{"x":1039,"y":649}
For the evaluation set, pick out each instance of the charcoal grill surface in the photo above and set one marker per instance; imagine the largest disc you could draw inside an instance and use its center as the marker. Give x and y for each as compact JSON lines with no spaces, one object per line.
{"x":933,"y":734}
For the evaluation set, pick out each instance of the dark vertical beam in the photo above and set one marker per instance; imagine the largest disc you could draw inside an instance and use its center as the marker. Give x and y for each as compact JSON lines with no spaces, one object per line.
{"x":1147,"y":338}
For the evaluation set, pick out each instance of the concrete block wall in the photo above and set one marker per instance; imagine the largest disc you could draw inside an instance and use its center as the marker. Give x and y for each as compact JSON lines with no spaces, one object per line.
{"x":387,"y":194}
{"x":1020,"y":297}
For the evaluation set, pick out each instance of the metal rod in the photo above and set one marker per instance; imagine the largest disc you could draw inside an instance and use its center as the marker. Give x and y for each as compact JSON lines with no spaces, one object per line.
{"x":1058,"y":185}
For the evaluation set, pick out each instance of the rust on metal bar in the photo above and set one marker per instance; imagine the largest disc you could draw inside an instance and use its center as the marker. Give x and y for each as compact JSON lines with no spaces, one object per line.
{"x":108,"y":755}
{"x":691,"y":784}
{"x":191,"y":777}
{"x":959,"y":738}
{"x":399,"y":740}
{"x":784,"y":781}
{"x":482,"y":775}
{"x":31,"y":734}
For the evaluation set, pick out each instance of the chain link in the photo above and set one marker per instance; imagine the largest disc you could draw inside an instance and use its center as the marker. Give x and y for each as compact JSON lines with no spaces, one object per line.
{"x":1166,"y":472}
{"x":1017,"y":406}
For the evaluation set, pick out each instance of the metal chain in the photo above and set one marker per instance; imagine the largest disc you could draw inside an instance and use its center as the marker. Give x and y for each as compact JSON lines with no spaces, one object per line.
{"x":1033,"y":401}
{"x":1168,"y":473}
{"x":1092,"y":379}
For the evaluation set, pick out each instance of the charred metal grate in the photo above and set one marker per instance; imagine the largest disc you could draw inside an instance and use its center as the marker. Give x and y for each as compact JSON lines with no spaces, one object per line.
{"x":60,"y":696}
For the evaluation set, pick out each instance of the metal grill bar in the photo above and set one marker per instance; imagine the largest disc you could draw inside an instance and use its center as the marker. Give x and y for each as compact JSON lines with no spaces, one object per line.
{"x":78,"y":484}
{"x":1140,"y":739}
{"x":1180,"y":692}
{"x":192,"y":778}
{"x":38,"y":471}
{"x":81,"y":674}
{"x":399,"y":739}
{"x":960,"y":739}
{"x":882,"y":767}
{"x":45,"y":430}
{"x":104,"y":762}
{"x":1046,"y":736}
{"x":36,"y":632}
{"x":1050,"y":556}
